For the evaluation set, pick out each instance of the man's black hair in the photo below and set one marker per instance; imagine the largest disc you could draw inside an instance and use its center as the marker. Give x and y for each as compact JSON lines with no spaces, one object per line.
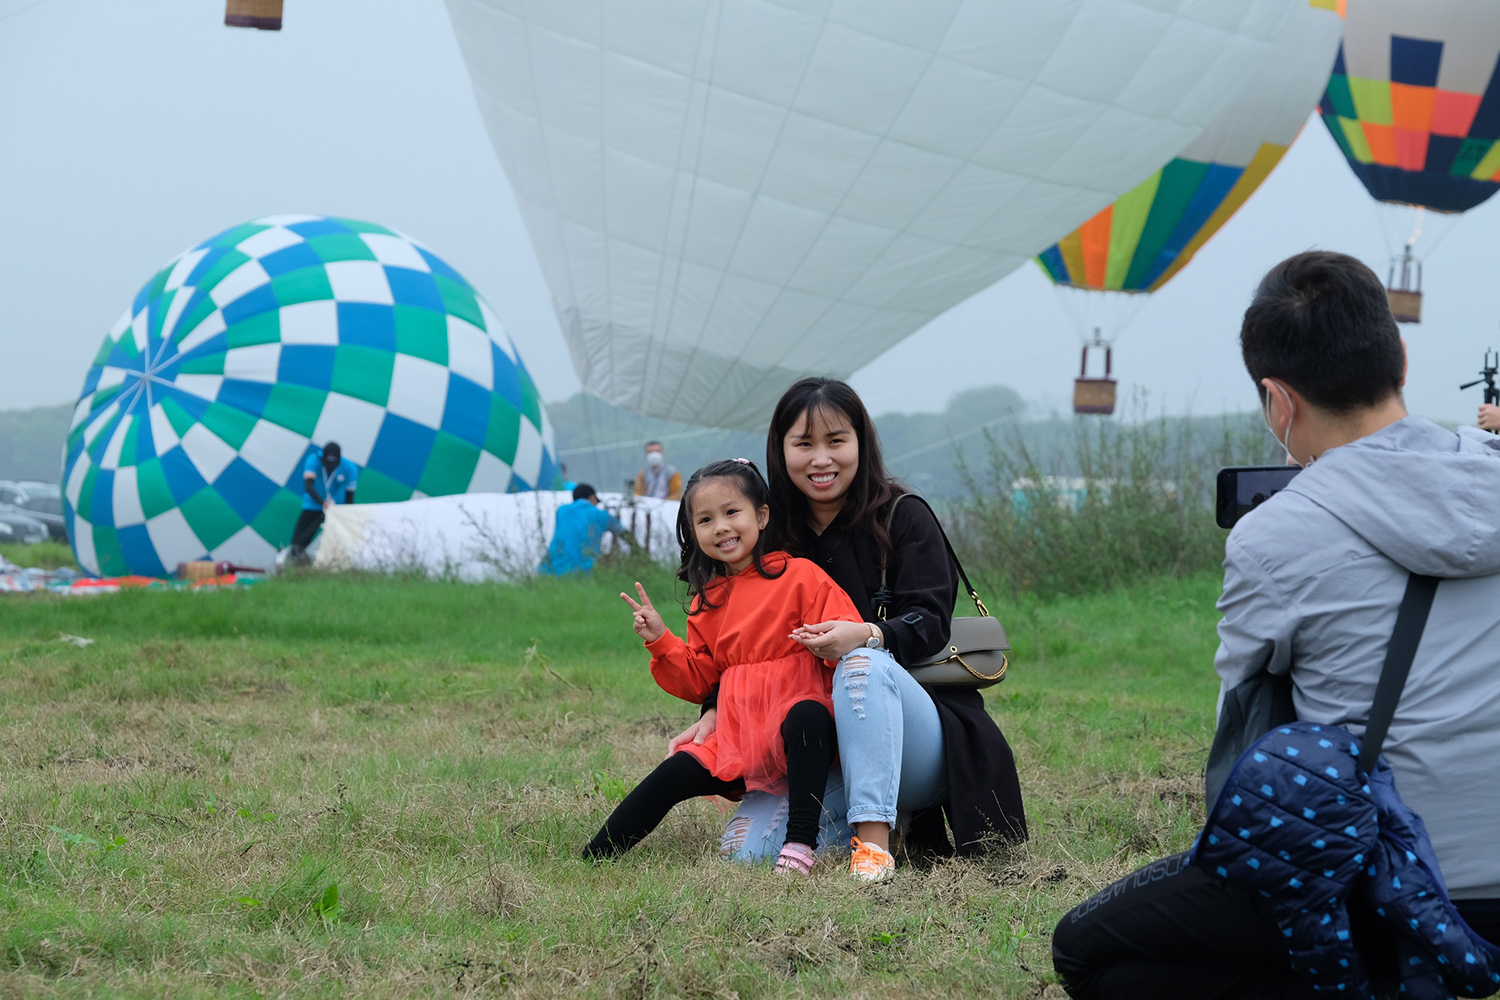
{"x":582,"y":491}
{"x":657,"y":443}
{"x":1320,"y":323}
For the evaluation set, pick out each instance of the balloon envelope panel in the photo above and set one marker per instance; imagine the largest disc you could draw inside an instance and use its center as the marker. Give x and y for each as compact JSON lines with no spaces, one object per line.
{"x":724,"y":197}
{"x":245,"y":352}
{"x":1414,"y":101}
{"x":1151,"y":232}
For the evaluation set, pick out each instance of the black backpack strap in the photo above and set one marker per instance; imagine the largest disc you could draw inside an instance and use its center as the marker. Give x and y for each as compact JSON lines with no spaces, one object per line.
{"x":1411,"y":619}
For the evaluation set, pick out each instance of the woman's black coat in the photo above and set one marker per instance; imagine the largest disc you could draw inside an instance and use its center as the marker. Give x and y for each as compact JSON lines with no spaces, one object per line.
{"x":984,"y":792}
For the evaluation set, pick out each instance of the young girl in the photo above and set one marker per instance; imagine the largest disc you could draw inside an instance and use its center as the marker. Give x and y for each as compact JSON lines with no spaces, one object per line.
{"x":775,"y":714}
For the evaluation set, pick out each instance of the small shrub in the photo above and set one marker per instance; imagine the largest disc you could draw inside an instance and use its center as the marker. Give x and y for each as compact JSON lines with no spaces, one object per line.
{"x":1128,"y":500}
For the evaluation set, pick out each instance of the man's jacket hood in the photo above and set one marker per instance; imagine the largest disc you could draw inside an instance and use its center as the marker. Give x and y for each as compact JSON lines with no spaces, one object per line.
{"x":1407,"y":476}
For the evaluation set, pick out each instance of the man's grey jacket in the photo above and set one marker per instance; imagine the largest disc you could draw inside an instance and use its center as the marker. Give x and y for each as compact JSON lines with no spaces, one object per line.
{"x":1312,"y":580}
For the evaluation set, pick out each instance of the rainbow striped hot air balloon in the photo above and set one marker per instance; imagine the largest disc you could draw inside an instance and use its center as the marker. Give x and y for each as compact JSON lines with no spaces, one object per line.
{"x":1414,"y":104}
{"x":1150,"y":233}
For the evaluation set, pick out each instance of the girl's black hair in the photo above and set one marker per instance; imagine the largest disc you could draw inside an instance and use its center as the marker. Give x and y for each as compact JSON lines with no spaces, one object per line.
{"x":872,"y":490}
{"x":698,"y":568}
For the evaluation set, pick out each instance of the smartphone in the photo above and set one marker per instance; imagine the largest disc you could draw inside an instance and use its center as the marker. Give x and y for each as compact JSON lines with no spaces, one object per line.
{"x":1243,"y":488}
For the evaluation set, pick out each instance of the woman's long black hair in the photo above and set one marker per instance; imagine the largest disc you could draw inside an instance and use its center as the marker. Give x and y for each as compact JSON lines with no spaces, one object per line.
{"x":872,"y":489}
{"x":698,"y":568}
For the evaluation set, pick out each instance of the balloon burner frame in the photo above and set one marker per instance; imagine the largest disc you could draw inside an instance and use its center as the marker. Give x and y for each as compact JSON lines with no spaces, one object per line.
{"x":1404,"y":295}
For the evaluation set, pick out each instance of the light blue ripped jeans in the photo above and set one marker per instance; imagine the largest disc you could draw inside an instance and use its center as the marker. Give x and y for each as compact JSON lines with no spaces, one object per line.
{"x":890,"y":760}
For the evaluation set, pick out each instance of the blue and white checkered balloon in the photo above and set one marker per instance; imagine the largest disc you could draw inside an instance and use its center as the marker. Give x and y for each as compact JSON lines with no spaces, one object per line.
{"x":248,"y":350}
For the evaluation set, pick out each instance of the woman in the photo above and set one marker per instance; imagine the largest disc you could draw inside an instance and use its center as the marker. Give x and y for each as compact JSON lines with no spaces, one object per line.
{"x":903,"y":748}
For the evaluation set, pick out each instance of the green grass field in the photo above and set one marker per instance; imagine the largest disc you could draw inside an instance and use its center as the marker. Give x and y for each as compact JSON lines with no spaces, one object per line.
{"x":327,"y":786}
{"x":48,"y":555}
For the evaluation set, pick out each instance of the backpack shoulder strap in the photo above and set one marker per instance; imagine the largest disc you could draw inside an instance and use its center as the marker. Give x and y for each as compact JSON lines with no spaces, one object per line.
{"x":1411,"y":620}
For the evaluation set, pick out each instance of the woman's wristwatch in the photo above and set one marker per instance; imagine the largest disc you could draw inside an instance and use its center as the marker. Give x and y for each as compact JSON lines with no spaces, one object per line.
{"x":875,"y":636}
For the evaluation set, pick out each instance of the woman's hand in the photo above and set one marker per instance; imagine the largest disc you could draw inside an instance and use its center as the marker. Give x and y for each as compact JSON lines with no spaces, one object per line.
{"x":1489,"y":417}
{"x":696,"y":733}
{"x":831,"y":640}
{"x":647,"y":623}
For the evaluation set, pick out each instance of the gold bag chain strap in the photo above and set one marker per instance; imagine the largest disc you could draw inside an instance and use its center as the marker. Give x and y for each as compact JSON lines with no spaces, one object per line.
{"x":883,"y":595}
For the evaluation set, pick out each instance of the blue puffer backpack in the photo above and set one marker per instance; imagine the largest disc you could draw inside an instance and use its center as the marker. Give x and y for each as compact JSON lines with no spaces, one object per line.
{"x":1301,"y":826}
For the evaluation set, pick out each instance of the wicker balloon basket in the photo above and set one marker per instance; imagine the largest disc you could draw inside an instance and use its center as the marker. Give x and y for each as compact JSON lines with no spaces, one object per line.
{"x":1095,"y":395}
{"x":262,"y":14}
{"x":1406,"y":305}
{"x":1403,"y":288}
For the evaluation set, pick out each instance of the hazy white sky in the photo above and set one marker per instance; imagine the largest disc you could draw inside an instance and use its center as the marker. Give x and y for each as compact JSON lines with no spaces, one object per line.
{"x":129,"y":132}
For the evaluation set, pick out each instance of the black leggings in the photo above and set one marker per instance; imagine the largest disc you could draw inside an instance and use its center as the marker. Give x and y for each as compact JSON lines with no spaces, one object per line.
{"x":1172,"y":930}
{"x":807,"y":735}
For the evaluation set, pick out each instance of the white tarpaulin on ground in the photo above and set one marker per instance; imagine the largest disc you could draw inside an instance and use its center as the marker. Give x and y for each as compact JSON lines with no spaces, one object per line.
{"x":475,"y":536}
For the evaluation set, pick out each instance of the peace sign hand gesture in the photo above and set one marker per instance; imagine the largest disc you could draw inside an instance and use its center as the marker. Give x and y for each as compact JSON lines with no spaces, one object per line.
{"x":647,"y":623}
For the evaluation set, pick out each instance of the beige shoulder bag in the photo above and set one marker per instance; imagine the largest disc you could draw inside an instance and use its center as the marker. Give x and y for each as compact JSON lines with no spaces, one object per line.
{"x":975,"y":654}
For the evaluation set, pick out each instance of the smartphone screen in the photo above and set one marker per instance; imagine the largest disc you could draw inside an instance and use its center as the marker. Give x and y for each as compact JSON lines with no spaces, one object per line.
{"x":1243,"y":488}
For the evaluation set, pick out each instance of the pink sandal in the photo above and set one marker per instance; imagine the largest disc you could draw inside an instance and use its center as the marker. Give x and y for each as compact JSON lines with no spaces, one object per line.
{"x":796,"y":859}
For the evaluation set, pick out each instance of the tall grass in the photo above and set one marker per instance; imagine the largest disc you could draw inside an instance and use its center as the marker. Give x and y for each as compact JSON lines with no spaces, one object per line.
{"x":45,"y":555}
{"x":1132,"y":499}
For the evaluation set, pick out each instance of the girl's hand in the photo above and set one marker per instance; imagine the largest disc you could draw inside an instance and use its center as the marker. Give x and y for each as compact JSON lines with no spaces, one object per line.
{"x":831,"y":640}
{"x":696,"y":733}
{"x":647,"y":623}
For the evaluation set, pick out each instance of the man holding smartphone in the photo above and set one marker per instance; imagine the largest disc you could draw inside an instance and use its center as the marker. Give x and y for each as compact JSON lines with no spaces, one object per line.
{"x":1312,"y":581}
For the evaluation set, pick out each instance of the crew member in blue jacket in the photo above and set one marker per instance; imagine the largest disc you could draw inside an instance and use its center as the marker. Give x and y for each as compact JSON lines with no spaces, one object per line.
{"x":575,"y":539}
{"x":328,"y":478}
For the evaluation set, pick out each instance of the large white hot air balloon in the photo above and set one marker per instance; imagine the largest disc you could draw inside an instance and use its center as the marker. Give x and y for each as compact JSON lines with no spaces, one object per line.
{"x":725,"y":196}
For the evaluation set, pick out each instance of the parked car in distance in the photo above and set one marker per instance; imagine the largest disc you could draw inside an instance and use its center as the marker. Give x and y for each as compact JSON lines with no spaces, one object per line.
{"x":23,"y":527}
{"x":40,"y":501}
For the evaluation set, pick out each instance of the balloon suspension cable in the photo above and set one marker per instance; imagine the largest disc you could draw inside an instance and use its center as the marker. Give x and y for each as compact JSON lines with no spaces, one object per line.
{"x":1092,"y":311}
{"x":1425,"y":230}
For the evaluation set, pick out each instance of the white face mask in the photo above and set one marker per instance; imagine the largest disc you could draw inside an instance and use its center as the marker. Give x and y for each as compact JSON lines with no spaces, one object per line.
{"x":654,"y":458}
{"x":1291,"y":409}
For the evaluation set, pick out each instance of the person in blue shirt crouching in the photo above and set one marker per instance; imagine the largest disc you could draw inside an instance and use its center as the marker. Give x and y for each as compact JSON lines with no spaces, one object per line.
{"x":328,"y":478}
{"x":575,"y":539}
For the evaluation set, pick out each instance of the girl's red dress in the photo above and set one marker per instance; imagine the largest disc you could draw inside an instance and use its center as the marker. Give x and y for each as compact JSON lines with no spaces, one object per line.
{"x":742,"y":646}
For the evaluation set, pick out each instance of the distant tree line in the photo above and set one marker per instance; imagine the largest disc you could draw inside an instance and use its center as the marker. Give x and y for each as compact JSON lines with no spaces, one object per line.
{"x":602,"y":444}
{"x":31,"y":442}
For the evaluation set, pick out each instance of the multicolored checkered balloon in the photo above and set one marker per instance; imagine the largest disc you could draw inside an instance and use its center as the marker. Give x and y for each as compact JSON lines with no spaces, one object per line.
{"x":276,"y":336}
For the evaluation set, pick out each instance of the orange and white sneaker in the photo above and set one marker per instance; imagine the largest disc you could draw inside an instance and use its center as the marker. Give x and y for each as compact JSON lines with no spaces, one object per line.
{"x":869,"y":863}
